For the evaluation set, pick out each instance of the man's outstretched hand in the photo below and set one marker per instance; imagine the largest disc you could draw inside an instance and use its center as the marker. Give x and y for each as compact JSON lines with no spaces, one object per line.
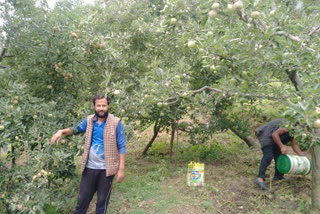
{"x":56,"y":137}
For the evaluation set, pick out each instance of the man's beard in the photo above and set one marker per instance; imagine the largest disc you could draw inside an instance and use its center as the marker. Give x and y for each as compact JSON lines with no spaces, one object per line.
{"x":101,"y":114}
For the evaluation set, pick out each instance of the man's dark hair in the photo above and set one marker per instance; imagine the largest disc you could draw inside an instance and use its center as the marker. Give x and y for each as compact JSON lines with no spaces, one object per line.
{"x":99,"y":96}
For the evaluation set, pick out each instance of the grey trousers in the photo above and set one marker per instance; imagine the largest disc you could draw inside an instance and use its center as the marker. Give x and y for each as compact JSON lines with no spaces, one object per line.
{"x":94,"y":180}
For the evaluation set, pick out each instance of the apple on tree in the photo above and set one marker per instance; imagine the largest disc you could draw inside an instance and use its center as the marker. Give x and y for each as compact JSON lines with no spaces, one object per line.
{"x":184,"y":94}
{"x":244,"y":73}
{"x":212,"y":14}
{"x":80,"y":25}
{"x":230,"y":8}
{"x":317,"y":123}
{"x":191,"y":44}
{"x":255,"y":14}
{"x":116,"y":92}
{"x":233,"y":81}
{"x":210,"y":33}
{"x":215,"y":6}
{"x":101,"y":45}
{"x":201,"y":50}
{"x":238,"y":5}
{"x":173,"y":21}
{"x":20,"y":207}
{"x":212,"y":68}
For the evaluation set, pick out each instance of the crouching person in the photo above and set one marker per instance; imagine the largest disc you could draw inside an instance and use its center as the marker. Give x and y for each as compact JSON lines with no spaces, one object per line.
{"x":273,"y":140}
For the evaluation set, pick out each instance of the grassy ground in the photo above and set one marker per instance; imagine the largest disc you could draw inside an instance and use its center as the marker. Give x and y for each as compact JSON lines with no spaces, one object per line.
{"x":154,"y":184}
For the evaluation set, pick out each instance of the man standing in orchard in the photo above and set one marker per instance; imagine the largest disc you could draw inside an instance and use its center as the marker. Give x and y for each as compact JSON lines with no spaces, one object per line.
{"x":103,"y":156}
{"x":273,"y":139}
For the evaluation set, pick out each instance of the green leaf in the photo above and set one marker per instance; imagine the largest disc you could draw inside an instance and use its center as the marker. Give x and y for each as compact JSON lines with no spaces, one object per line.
{"x":204,"y":20}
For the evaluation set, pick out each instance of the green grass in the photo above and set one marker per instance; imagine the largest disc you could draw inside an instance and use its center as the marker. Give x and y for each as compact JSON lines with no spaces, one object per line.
{"x":155,"y":185}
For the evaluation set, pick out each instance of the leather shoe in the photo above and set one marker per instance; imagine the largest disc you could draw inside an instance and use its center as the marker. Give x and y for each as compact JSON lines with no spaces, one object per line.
{"x":261,"y":184}
{"x":276,"y":178}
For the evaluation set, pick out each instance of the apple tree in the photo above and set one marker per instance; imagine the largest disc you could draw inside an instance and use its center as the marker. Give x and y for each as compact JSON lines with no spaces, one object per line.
{"x":243,"y":52}
{"x":38,"y":69}
{"x":259,"y":50}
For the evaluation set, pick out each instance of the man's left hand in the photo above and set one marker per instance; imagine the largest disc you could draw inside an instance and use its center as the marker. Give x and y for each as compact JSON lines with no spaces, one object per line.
{"x":120,"y":175}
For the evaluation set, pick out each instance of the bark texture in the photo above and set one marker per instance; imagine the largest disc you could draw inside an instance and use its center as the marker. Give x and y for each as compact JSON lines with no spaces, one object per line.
{"x":156,"y":130}
{"x":172,"y":139}
{"x":250,"y":141}
{"x":315,"y":154}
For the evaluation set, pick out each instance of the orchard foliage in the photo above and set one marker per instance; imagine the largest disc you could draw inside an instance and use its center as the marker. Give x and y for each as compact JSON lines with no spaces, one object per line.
{"x":215,"y":62}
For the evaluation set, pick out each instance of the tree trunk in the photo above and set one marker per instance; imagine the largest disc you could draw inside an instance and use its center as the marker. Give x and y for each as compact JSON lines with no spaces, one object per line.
{"x":4,"y":50}
{"x":172,"y":139}
{"x":250,"y":141}
{"x":13,"y":161}
{"x":315,"y":154}
{"x":155,"y":134}
{"x":247,"y":139}
{"x":294,"y":78}
{"x":156,"y":129}
{"x":177,"y":148}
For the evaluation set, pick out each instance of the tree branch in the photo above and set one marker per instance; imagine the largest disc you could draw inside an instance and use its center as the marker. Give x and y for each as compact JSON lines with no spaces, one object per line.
{"x":293,"y":38}
{"x":82,"y":63}
{"x":314,"y":31}
{"x":283,"y":33}
{"x":229,"y":94}
{"x":3,"y":53}
{"x":258,"y":23}
{"x":205,"y":88}
{"x":261,"y":25}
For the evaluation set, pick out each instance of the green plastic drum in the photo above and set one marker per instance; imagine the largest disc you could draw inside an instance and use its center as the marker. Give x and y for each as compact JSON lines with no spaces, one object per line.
{"x":293,"y":164}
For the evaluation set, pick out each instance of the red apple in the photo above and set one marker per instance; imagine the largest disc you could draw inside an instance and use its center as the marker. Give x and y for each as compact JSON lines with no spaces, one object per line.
{"x":212,"y":14}
{"x":238,"y":5}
